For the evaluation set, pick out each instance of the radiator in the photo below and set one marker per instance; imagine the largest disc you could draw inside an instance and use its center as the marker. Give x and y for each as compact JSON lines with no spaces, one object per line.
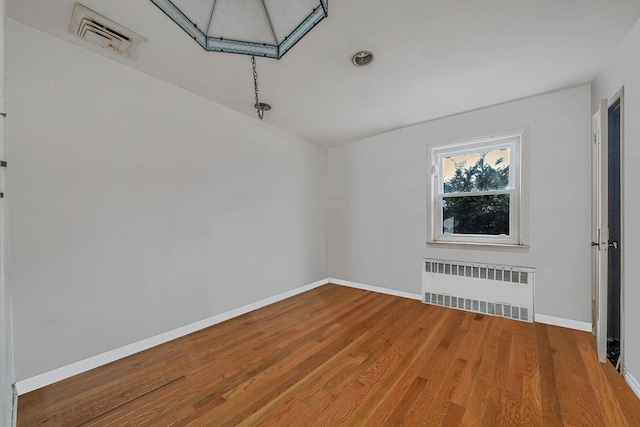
{"x":498,"y":290}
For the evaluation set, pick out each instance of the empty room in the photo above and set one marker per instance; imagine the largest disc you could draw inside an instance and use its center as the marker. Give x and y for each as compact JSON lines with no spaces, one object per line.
{"x":319,"y":212}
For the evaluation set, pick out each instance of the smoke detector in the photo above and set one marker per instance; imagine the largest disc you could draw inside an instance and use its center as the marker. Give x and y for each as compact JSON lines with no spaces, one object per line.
{"x":102,"y":31}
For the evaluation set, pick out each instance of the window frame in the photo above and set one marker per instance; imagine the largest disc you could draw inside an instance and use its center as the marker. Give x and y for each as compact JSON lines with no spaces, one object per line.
{"x":517,"y":142}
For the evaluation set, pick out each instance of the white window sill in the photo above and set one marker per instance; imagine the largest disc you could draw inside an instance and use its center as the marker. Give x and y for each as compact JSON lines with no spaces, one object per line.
{"x":476,"y":245}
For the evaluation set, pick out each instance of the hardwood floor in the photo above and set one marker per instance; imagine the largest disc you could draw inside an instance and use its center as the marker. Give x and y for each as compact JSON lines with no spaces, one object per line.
{"x":341,"y":356}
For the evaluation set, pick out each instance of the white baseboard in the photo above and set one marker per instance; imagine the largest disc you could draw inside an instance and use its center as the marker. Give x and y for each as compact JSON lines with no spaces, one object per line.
{"x":47,"y":378}
{"x":375,"y":289}
{"x":633,"y":383}
{"x":565,"y":323}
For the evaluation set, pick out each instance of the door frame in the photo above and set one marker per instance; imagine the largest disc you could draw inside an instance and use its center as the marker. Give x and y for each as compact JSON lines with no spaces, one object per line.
{"x":619,"y":96}
{"x":8,"y":395}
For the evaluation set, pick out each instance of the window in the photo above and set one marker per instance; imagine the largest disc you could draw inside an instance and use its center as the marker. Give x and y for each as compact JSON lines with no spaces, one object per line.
{"x":478,"y":191}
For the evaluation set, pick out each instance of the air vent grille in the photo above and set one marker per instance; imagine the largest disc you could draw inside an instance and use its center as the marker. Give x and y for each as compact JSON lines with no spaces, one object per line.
{"x":99,"y":30}
{"x":501,"y":273}
{"x":485,"y":307}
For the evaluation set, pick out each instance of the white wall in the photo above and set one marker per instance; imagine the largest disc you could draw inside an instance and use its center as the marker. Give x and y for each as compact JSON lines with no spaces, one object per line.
{"x":377,"y":201}
{"x":623,"y":69}
{"x":137,"y":207}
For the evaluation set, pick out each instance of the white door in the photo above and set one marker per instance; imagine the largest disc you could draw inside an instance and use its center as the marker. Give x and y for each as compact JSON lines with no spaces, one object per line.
{"x":600,"y":226}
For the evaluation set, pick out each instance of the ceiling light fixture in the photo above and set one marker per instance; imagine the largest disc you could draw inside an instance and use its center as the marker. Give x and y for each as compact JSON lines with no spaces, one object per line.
{"x":251,"y":27}
{"x":267,"y":28}
{"x":362,"y":58}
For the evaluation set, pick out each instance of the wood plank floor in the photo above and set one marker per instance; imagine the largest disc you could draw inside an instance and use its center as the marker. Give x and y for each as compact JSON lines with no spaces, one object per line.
{"x":340,"y":356}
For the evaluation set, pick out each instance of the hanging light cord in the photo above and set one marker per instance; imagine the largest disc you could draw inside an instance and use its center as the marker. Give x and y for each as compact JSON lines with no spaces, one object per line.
{"x":255,"y":84}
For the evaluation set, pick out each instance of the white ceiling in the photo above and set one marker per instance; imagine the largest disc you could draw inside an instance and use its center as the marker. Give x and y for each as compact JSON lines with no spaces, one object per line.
{"x":433,"y":58}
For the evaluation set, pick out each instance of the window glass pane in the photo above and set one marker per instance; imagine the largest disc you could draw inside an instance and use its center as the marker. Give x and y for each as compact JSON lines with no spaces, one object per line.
{"x":484,"y":171}
{"x":476,"y":214}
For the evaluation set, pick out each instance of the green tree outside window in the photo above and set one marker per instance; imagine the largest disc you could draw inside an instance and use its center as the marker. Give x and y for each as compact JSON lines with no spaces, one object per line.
{"x":467,"y":212}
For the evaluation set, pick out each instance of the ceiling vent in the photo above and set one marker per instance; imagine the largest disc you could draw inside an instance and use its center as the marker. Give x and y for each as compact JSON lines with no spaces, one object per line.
{"x":95,"y":28}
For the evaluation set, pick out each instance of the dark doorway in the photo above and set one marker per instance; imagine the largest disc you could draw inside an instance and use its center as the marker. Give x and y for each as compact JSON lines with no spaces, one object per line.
{"x":615,"y":224}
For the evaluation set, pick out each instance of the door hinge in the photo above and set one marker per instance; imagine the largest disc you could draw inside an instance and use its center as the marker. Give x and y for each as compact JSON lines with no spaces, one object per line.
{"x":3,"y":164}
